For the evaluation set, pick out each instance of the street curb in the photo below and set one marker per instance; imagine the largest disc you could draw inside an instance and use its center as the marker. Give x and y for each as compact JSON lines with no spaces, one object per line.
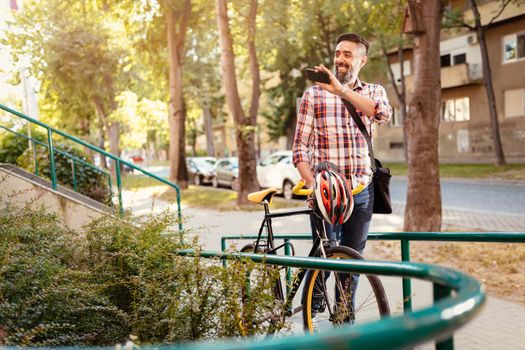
{"x":472,"y":180}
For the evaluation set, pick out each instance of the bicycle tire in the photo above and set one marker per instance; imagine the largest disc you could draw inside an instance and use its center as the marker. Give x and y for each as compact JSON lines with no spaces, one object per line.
{"x":272,"y":322}
{"x":329,"y":317}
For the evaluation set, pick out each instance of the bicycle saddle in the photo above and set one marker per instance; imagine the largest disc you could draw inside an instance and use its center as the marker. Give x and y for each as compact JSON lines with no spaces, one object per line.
{"x":260,"y":196}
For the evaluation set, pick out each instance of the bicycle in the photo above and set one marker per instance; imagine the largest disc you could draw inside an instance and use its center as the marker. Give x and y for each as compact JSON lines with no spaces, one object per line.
{"x":317,"y":290}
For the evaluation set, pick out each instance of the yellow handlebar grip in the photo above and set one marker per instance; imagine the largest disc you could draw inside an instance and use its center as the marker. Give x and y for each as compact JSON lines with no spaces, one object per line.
{"x":358,"y":189}
{"x":299,"y":191}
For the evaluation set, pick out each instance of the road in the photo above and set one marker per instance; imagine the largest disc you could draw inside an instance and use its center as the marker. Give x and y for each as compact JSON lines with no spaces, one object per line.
{"x":473,"y":195}
{"x":459,"y":194}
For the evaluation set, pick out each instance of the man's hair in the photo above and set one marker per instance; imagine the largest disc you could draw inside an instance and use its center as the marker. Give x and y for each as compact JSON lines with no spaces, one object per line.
{"x":355,"y":38}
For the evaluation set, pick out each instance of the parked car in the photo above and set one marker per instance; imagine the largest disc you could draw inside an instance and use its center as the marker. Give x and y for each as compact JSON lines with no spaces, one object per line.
{"x":227,"y":173}
{"x":278,"y":171}
{"x":201,"y":170}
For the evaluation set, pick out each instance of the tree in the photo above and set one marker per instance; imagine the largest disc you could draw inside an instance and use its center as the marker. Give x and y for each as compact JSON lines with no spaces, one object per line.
{"x":244,"y":124}
{"x":456,"y":19}
{"x":423,"y":208}
{"x":383,"y":22}
{"x":76,"y":57}
{"x":177,"y":21}
{"x":304,"y":35}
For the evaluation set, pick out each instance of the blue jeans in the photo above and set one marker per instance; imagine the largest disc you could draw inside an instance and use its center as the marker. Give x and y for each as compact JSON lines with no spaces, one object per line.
{"x":354,"y":232}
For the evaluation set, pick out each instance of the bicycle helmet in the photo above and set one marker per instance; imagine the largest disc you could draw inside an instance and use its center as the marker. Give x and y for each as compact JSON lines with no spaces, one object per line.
{"x":332,"y":194}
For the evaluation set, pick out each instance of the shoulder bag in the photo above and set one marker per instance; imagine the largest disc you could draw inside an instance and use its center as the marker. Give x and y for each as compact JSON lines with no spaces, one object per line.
{"x":381,"y":176}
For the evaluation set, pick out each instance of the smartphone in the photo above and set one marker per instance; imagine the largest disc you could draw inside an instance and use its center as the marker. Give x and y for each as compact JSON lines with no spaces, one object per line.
{"x":320,"y":77}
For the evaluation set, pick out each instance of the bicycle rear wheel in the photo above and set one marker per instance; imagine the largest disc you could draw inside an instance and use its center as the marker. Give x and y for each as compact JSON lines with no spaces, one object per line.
{"x":262,"y":298}
{"x":326,"y":302}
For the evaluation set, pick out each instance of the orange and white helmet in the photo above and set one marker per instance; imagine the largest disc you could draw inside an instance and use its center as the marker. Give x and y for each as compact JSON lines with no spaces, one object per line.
{"x":332,"y":194}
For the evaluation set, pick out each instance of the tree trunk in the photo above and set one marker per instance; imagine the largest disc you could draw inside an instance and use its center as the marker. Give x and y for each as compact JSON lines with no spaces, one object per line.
{"x":402,"y":96}
{"x":423,"y":208}
{"x":254,"y":70}
{"x":400,"y":93}
{"x":175,"y":38}
{"x":114,"y":137}
{"x":208,"y":129}
{"x":244,"y":124}
{"x":489,"y":87}
{"x":103,"y":120}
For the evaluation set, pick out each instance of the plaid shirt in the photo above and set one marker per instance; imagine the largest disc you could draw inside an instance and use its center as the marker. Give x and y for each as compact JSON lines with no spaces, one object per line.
{"x":326,"y":131}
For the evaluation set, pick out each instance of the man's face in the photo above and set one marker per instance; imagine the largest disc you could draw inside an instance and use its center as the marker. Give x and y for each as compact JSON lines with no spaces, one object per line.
{"x":349,"y":58}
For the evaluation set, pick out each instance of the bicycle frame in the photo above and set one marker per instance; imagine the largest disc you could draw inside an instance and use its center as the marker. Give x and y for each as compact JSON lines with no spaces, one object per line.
{"x":318,"y":232}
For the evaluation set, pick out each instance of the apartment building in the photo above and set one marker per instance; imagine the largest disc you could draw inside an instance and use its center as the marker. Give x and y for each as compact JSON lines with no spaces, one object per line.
{"x":465,"y":131}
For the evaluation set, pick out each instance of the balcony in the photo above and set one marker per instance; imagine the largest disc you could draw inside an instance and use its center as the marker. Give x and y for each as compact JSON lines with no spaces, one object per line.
{"x":460,"y":75}
{"x":454,"y":76}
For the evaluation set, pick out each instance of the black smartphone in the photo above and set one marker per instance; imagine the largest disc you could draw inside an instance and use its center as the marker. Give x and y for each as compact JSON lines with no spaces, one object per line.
{"x":320,"y":77}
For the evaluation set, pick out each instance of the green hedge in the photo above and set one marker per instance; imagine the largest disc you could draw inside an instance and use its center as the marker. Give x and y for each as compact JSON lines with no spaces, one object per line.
{"x":59,"y":287}
{"x":12,"y":146}
{"x":14,"y":149}
{"x":89,"y":182}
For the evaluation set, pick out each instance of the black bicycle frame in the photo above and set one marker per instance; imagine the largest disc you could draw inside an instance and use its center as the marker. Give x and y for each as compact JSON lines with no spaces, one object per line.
{"x":316,"y":226}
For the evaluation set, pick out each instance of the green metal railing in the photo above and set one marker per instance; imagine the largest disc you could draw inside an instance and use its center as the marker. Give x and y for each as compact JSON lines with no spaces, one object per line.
{"x":118,"y":161}
{"x":449,"y":311}
{"x":404,"y":238}
{"x":74,"y":160}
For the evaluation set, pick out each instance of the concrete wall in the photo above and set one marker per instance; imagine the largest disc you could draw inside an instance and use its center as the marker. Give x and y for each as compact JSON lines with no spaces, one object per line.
{"x":19,"y":191}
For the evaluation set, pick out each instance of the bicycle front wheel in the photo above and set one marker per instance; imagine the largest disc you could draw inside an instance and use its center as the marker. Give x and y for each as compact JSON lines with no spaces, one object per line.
{"x":328,"y":301}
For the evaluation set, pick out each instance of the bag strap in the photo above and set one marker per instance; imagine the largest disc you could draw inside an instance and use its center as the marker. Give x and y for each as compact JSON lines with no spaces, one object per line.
{"x":350,"y":107}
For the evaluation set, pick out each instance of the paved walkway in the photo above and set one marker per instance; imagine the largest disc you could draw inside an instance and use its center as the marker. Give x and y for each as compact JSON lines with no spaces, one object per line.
{"x":498,"y":326}
{"x":475,"y":221}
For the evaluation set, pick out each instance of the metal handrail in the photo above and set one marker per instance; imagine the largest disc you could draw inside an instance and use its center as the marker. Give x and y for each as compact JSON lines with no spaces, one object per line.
{"x":404,"y":238}
{"x":65,"y":154}
{"x":118,"y":160}
{"x":447,"y":314}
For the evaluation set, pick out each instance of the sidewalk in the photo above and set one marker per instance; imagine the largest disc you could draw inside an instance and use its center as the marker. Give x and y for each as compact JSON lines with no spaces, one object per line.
{"x":472,"y":220}
{"x":498,"y":326}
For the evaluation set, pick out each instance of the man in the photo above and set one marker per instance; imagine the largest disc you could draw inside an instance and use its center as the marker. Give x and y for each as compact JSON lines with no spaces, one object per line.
{"x":326,"y":130}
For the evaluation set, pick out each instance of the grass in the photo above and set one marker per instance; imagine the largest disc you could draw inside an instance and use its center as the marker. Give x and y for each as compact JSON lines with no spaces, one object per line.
{"x":135,"y":182}
{"x":219,"y":199}
{"x":469,"y":171}
{"x":200,"y":196}
{"x":499,"y":266}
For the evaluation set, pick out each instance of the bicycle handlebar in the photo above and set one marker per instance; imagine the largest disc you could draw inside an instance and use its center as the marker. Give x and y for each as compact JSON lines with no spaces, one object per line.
{"x":299,"y":189}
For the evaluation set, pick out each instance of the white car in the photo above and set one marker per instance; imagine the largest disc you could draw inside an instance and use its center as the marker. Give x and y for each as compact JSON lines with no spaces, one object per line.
{"x":278,"y":171}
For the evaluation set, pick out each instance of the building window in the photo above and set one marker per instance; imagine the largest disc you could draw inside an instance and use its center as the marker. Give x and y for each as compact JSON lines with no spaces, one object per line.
{"x":461,"y":58}
{"x":396,"y":145}
{"x":396,"y":119}
{"x":396,"y":69}
{"x":515,"y":103}
{"x":456,"y":110}
{"x":513,"y":47}
{"x":445,"y":60}
{"x":451,"y":60}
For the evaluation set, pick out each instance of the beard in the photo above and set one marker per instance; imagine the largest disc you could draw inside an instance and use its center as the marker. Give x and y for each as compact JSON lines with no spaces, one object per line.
{"x":345,"y":78}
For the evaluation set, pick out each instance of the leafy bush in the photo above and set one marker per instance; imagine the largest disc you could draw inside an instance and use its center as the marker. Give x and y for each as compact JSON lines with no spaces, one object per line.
{"x":13,"y":146}
{"x":89,"y":182}
{"x":59,"y":287}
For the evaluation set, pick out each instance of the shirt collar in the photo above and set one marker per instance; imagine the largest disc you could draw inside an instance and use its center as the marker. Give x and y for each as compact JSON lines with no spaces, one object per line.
{"x":358,"y":85}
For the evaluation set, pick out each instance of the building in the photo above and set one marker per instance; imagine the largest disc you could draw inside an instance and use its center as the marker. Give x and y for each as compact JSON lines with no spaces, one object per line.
{"x":465,"y":131}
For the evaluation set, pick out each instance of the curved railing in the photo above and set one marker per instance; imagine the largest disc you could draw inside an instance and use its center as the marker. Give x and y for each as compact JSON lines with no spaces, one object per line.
{"x":404,"y":238}
{"x":438,"y":321}
{"x":118,"y":161}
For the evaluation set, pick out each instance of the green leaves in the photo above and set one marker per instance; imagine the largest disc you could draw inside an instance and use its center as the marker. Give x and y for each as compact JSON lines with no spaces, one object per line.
{"x":64,"y":288}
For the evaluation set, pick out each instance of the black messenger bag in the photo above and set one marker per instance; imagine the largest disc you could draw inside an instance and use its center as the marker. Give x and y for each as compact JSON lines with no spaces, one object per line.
{"x":381,"y":177}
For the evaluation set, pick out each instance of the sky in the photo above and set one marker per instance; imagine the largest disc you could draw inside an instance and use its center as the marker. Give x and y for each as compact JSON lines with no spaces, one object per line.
{"x":9,"y":94}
